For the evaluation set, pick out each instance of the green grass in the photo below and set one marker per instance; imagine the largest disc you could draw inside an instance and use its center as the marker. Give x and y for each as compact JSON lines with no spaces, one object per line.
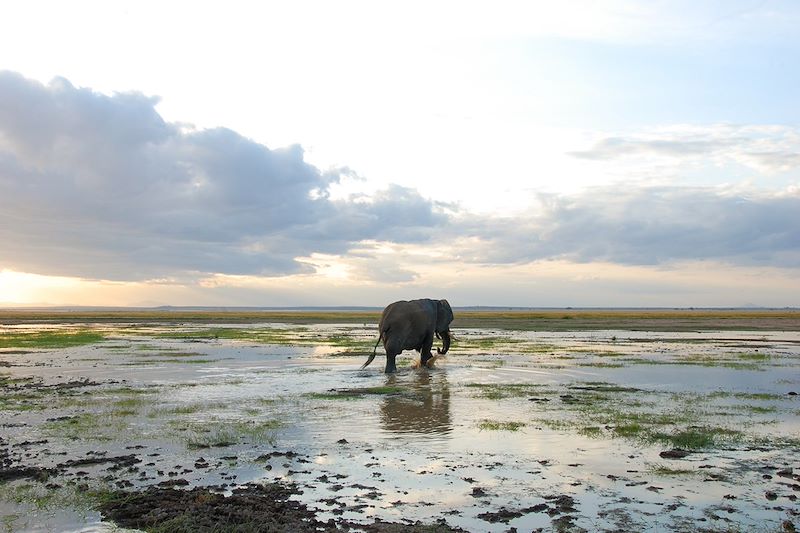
{"x":756,"y":409}
{"x":88,"y":426}
{"x":223,"y":434}
{"x":754,"y":356}
{"x":6,"y":380}
{"x":633,"y":430}
{"x":746,"y":395}
{"x":499,"y":391}
{"x":49,"y":339}
{"x":596,"y":352}
{"x":127,"y":390}
{"x":170,"y":354}
{"x":187,"y":409}
{"x":502,"y":344}
{"x":602,"y":364}
{"x":696,"y":437}
{"x":352,"y":344}
{"x":602,"y":387}
{"x":21,"y":403}
{"x":42,"y":498}
{"x":667,"y":471}
{"x":353,"y":394}
{"x":594,"y":432}
{"x":607,"y":410}
{"x":130,"y":406}
{"x":494,"y":425}
{"x":148,"y":362}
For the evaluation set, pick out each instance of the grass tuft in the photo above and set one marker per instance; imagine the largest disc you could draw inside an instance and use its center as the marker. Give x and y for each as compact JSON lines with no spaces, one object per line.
{"x":494,"y":425}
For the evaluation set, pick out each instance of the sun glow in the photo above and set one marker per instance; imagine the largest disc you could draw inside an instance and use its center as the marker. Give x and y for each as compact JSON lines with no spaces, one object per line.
{"x":20,"y":288}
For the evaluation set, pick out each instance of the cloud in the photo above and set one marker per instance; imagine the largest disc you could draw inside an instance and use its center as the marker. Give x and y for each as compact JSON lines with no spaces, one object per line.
{"x":613,"y":147}
{"x":643,"y":226}
{"x":767,"y":149}
{"x":101,"y":186}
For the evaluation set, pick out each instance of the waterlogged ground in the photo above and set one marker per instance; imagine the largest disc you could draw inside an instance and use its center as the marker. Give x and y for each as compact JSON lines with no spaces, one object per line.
{"x":607,"y":430}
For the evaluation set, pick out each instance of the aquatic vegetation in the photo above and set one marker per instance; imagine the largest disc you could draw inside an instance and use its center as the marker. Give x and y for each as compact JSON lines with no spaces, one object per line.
{"x":126,"y":391}
{"x":602,"y":364}
{"x":6,"y":380}
{"x":49,"y":339}
{"x":495,"y":425}
{"x":353,"y":394}
{"x":45,"y":498}
{"x":591,"y":431}
{"x":499,"y":391}
{"x":86,"y":426}
{"x":754,"y":356}
{"x":746,"y":395}
{"x":128,"y":406}
{"x":665,"y":471}
{"x":228,"y":433}
{"x":21,"y":401}
{"x":149,"y":362}
{"x":697,"y":437}
{"x":501,"y":344}
{"x":170,"y":354}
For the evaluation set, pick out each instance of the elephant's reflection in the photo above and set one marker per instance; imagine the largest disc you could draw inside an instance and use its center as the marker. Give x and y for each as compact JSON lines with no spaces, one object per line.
{"x":425,"y":408}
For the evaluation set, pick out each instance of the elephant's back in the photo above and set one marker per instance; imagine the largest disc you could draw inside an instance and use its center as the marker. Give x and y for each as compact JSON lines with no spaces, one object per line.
{"x":390,"y":311}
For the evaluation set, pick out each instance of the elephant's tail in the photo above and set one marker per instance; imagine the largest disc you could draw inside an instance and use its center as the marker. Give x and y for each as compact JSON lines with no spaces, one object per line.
{"x":374,"y":351}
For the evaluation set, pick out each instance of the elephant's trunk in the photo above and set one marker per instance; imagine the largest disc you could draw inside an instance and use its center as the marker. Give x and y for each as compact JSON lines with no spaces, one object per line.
{"x":445,"y":342}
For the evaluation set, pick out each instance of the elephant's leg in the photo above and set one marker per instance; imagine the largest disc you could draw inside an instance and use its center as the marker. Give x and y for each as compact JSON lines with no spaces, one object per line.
{"x":391,"y":366}
{"x":425,"y":352}
{"x":393,"y":349}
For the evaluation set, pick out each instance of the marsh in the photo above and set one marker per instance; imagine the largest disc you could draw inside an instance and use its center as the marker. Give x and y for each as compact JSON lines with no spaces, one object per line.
{"x":516,"y":422}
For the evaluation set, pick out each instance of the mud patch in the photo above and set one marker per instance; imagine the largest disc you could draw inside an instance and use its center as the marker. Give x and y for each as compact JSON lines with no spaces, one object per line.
{"x":264,"y":508}
{"x":249,"y":508}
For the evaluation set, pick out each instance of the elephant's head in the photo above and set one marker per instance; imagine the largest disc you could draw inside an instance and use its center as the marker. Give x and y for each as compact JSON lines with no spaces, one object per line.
{"x":444,"y":315}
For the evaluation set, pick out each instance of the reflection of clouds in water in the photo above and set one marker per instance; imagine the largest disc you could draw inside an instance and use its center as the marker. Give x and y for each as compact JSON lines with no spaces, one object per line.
{"x":424,"y":409}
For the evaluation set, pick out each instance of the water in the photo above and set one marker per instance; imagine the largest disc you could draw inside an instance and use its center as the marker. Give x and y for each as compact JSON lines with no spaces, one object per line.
{"x":422,"y":451}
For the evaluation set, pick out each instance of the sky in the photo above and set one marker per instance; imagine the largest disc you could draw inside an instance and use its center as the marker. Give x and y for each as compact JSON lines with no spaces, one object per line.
{"x":313,"y":153}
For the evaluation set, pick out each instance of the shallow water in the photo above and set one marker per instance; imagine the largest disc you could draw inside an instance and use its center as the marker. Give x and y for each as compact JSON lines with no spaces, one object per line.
{"x":422,"y":447}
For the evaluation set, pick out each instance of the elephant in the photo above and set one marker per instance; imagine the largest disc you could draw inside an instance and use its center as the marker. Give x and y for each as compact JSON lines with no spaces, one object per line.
{"x":412,"y":325}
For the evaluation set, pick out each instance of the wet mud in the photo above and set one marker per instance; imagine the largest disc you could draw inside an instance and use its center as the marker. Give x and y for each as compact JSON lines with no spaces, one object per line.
{"x":263,"y":508}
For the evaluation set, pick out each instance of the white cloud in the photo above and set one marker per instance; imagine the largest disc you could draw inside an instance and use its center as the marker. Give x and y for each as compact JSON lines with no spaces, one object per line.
{"x":771,"y":148}
{"x":637,"y":225}
{"x":101,"y":186}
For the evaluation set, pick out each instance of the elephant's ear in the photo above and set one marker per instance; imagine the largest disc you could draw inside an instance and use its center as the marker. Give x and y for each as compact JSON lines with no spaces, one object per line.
{"x":444,"y":315}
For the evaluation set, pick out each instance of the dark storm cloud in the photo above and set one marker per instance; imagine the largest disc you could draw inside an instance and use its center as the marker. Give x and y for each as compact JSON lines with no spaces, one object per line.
{"x":648,"y":226}
{"x":101,"y":186}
